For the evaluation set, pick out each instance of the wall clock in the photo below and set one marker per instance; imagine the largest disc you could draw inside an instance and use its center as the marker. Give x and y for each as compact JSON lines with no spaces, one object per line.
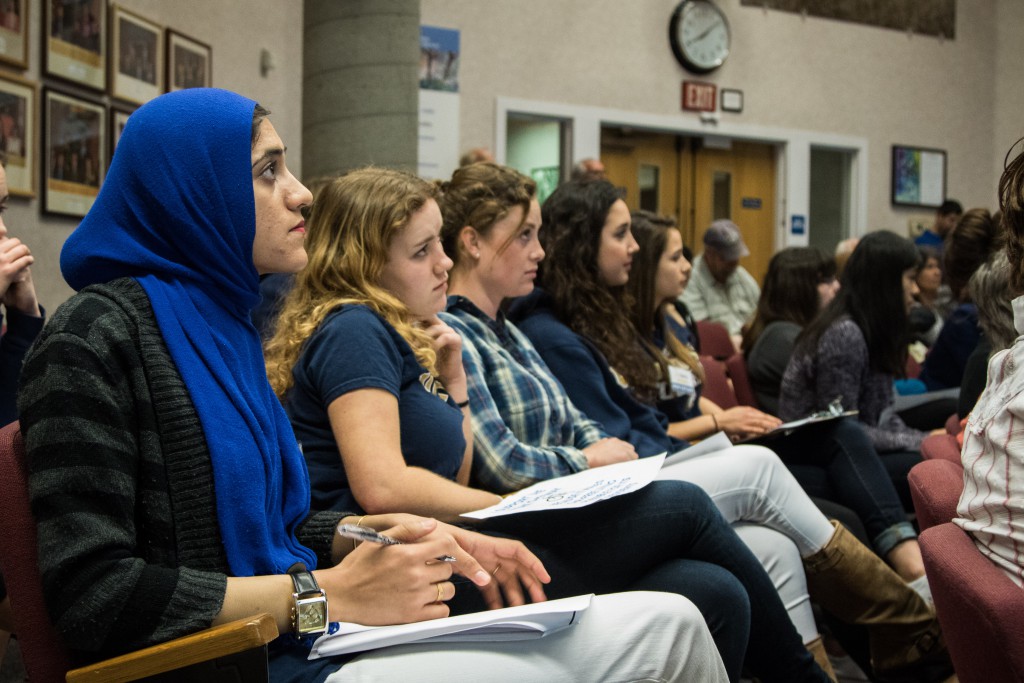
{"x":699,"y":35}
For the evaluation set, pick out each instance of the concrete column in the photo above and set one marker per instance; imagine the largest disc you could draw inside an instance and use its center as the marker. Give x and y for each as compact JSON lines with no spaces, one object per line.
{"x":360,"y":85}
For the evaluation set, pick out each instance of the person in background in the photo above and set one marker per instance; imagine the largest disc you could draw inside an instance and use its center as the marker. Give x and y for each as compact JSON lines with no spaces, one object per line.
{"x":720,"y":288}
{"x":24,"y":316}
{"x":588,"y":169}
{"x":990,"y":289}
{"x":476,"y":155}
{"x":968,"y":246}
{"x":843,"y":250}
{"x":946,"y":218}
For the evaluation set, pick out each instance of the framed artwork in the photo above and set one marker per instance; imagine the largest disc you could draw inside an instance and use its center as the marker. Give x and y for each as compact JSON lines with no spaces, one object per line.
{"x":18,"y":133}
{"x":918,"y":176}
{"x":188,"y":62}
{"x":136,"y":57}
{"x":74,"y":151}
{"x":75,"y":41}
{"x":14,"y":33}
{"x":118,"y":120}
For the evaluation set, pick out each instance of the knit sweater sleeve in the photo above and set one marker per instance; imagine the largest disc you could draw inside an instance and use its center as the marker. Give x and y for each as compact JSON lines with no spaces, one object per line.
{"x":844,"y":372}
{"x":111,"y":575}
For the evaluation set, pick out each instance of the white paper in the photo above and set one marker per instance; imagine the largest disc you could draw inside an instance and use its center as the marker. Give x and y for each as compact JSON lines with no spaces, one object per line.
{"x":578,"y":490}
{"x":511,"y":623}
{"x":716,"y":442}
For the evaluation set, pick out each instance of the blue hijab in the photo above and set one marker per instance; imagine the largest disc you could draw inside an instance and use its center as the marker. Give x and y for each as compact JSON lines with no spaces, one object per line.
{"x":177,"y":213}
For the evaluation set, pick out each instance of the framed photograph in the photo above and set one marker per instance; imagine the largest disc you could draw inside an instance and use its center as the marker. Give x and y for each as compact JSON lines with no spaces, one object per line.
{"x":136,"y":57}
{"x":14,"y":33}
{"x":75,"y":41}
{"x":188,"y":62}
{"x":74,"y":151}
{"x":918,"y":176}
{"x":118,"y":119}
{"x":18,"y":133}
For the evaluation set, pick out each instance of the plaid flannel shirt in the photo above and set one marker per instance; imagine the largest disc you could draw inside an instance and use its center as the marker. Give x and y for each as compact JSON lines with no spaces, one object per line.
{"x":525,"y":428}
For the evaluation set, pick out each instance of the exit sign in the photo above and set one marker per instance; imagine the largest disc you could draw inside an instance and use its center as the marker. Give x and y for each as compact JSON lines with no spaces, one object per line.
{"x":699,"y":96}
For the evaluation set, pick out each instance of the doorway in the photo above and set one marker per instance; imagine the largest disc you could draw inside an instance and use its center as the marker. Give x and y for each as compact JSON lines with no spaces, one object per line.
{"x":698,"y":180}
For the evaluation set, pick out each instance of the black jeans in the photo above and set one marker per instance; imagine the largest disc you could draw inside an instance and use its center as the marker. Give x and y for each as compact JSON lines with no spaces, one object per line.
{"x":836,"y":461}
{"x":670,"y":537}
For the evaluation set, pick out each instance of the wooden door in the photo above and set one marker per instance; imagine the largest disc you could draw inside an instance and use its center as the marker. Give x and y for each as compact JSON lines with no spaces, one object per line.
{"x":738,"y":184}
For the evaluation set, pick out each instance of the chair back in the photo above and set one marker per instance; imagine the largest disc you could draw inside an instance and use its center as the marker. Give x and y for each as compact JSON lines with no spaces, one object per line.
{"x":714,"y":340}
{"x":736,"y":366}
{"x":941,"y":447}
{"x":716,"y":383}
{"x":935,"y":486}
{"x":981,"y":610}
{"x":45,"y":657}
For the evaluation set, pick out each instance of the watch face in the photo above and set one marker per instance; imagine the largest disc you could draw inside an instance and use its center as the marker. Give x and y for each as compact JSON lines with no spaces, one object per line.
{"x":700,"y":35}
{"x":311,"y":615}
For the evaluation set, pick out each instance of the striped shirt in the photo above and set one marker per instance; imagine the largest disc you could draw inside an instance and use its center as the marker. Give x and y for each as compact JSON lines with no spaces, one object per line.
{"x":991,"y":507}
{"x":525,"y":429}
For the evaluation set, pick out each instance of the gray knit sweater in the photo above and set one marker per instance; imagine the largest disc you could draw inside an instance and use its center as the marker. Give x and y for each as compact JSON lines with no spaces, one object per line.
{"x":120,"y":480}
{"x":839,"y":366}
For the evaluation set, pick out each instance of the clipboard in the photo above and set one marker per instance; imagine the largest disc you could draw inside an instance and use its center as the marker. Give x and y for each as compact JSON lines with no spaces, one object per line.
{"x":787,"y":428}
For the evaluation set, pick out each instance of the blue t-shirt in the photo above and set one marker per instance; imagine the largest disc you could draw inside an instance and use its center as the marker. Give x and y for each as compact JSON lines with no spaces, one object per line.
{"x":683,"y":405}
{"x":353,"y":349}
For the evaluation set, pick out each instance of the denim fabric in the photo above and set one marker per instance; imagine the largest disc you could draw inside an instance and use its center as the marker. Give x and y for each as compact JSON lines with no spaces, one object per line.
{"x":670,"y":537}
{"x":858,"y":476}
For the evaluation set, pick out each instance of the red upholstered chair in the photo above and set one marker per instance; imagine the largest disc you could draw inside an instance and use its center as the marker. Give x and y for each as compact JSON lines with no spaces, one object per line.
{"x":953,"y":424}
{"x":714,"y":340}
{"x":736,"y":366}
{"x":940,"y":447}
{"x":935,"y":486}
{"x":716,"y":383}
{"x":238,"y":647}
{"x":980,"y":608}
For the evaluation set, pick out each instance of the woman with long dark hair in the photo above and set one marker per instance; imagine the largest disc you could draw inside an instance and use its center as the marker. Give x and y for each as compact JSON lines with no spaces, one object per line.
{"x":852,"y":352}
{"x":580,"y":325}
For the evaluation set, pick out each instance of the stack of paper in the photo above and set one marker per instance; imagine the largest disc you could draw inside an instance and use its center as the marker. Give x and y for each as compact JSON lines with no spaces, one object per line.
{"x":512,"y":623}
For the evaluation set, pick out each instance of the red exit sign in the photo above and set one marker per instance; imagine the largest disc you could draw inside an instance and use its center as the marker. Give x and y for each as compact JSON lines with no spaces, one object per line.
{"x":699,"y":96}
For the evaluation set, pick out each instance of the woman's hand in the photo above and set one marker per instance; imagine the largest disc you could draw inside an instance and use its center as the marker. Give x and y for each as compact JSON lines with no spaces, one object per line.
{"x":744,"y":421}
{"x":608,"y":451}
{"x":517,"y":571}
{"x":378,"y":585}
{"x":16,"y":286}
{"x":448,"y":347}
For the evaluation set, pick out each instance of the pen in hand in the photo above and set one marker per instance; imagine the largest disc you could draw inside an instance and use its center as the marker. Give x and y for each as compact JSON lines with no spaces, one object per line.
{"x":365,"y":533}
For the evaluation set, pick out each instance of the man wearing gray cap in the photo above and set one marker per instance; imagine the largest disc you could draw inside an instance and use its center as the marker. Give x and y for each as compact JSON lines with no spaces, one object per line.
{"x":720,"y":288}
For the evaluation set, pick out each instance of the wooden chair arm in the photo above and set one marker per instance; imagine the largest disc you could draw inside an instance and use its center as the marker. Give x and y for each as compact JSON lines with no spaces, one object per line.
{"x":208,"y":644}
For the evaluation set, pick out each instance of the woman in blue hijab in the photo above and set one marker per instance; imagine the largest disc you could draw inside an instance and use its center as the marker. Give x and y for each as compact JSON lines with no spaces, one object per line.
{"x":168,"y":489}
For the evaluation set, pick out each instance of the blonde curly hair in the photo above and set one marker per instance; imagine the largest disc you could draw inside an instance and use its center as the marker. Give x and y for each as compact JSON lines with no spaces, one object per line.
{"x":351,"y":225}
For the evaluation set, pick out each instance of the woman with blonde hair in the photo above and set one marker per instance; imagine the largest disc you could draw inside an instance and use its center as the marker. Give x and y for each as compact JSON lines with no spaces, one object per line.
{"x":378,"y":396}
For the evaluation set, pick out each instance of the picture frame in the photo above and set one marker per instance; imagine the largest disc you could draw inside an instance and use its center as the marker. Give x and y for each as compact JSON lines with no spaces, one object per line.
{"x":136,"y":57}
{"x":118,"y":120}
{"x":74,"y":152}
{"x":75,"y":41}
{"x":14,"y":22}
{"x":19,"y":133}
{"x":189,"y":62}
{"x":918,"y":176}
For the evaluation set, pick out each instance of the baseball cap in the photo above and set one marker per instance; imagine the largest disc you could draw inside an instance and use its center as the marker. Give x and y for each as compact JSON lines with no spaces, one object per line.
{"x":724,"y":237}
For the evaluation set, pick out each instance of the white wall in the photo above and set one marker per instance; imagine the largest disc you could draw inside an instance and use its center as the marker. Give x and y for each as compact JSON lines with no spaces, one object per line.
{"x":237,"y":30}
{"x":886,"y":87}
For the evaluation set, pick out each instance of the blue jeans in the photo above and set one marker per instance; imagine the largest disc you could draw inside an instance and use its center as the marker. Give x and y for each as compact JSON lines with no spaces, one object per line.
{"x":836,"y":461}
{"x":670,"y":537}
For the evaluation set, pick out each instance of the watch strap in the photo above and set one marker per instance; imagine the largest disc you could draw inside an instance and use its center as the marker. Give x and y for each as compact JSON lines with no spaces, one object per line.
{"x":303,"y":580}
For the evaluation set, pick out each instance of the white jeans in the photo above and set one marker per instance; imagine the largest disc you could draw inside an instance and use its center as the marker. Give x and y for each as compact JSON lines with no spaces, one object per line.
{"x":771,"y":514}
{"x":638,"y":636}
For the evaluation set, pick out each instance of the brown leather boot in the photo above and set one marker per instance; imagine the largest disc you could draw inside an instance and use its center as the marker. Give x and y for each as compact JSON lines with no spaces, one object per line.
{"x":817,"y":650}
{"x":855,"y":585}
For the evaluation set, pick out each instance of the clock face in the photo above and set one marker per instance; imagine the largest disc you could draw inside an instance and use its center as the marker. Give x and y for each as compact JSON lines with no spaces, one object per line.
{"x":312,"y":616}
{"x":699,"y":35}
